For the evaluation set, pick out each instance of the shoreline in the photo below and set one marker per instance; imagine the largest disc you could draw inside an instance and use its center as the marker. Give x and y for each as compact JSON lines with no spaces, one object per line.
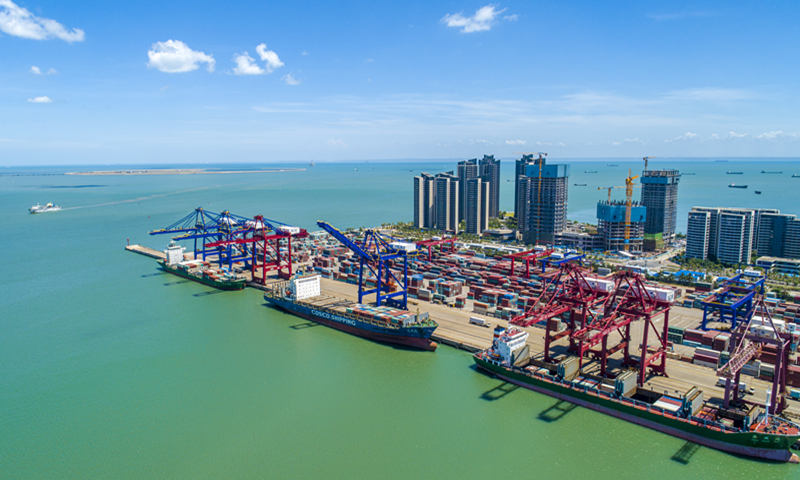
{"x":184,"y":171}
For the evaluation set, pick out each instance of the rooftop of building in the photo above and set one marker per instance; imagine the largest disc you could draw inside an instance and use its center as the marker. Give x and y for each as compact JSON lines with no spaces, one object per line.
{"x":767,"y":259}
{"x":660,"y":173}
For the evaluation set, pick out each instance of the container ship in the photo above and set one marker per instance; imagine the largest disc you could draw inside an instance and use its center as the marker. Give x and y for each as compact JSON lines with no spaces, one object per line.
{"x":44,"y":209}
{"x":733,"y":185}
{"x":302,"y":296}
{"x":685,"y":416}
{"x":200,"y":271}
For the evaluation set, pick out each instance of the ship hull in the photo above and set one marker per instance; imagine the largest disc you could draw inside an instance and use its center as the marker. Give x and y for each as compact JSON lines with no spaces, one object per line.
{"x":222,"y":285}
{"x":765,"y":446}
{"x":416,"y":337}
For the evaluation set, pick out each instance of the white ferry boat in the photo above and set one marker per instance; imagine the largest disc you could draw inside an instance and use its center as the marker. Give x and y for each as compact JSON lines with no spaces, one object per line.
{"x":44,"y":209}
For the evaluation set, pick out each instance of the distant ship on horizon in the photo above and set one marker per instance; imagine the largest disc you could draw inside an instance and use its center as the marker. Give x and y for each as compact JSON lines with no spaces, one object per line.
{"x":733,"y":185}
{"x":735,"y":173}
{"x":774,"y":173}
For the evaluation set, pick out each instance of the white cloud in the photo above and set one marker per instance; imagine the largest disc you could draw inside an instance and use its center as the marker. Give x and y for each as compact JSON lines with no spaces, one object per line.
{"x":616,"y":144}
{"x":736,"y":135}
{"x":37,"y":71}
{"x":270,"y":57}
{"x":480,"y":140}
{"x":174,"y":56}
{"x":483,"y":20}
{"x":685,"y":136}
{"x":516,"y":142}
{"x":561,"y":144}
{"x":305,"y":53}
{"x":42,"y":99}
{"x":511,"y":18}
{"x":165,"y":88}
{"x":336,"y":143}
{"x":245,"y":65}
{"x":19,"y":22}
{"x":290,"y":80}
{"x":543,"y":144}
{"x":777,"y":134}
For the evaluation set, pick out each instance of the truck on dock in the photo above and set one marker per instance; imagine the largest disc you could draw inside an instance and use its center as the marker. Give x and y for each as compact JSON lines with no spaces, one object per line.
{"x":479,"y":321}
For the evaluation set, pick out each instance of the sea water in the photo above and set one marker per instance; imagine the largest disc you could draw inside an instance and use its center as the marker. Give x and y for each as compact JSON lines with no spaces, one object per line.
{"x":111,"y":368}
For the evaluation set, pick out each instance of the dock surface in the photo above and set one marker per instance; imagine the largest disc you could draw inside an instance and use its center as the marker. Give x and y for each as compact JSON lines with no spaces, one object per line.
{"x":456,"y":331}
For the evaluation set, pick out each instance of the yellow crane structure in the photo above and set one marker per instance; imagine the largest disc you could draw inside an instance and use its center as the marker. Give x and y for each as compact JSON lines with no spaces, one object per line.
{"x":609,"y":191}
{"x":628,"y":196}
{"x":539,"y":200}
{"x":645,"y":161}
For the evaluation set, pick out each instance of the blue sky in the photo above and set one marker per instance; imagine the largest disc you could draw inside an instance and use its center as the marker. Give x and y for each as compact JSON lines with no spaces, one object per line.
{"x":152,"y":82}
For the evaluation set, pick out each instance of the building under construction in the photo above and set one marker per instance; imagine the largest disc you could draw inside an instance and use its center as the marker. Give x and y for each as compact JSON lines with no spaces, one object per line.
{"x":611,"y":225}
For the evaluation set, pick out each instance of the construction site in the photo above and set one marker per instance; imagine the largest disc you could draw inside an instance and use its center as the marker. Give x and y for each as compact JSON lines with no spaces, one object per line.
{"x":580,"y":326}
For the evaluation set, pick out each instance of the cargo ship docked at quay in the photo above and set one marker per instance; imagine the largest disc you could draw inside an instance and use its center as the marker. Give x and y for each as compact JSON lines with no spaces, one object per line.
{"x":200,"y":271}
{"x":684,"y":416}
{"x":302,"y":296}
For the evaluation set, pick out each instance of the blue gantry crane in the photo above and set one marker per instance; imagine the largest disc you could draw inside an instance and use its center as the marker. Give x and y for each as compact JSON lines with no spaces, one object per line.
{"x":375,"y":252}
{"x":211,"y":228}
{"x":734,"y":301}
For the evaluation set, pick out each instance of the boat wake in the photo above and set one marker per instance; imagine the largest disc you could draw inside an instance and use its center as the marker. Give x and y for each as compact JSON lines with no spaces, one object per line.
{"x":137,"y":199}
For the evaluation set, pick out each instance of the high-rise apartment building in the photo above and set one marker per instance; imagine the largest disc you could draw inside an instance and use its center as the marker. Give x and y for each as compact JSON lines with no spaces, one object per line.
{"x":519,"y":171}
{"x":424,"y":196}
{"x":660,"y":196}
{"x":723,"y":234}
{"x":778,"y":235}
{"x":477,"y":206}
{"x":446,"y":202}
{"x":490,"y":173}
{"x":466,"y":169}
{"x":699,"y":234}
{"x":542,"y":202}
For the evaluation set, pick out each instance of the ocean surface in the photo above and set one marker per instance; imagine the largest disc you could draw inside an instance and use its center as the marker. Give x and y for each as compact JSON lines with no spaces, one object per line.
{"x":110,"y":368}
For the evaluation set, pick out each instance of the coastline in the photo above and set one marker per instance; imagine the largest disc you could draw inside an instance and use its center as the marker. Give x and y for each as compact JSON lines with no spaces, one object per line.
{"x":186,"y":171}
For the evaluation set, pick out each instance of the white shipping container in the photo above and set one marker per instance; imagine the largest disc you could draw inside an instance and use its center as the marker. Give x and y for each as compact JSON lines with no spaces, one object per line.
{"x":662,"y":294}
{"x":289,"y":230}
{"x":404,"y":246}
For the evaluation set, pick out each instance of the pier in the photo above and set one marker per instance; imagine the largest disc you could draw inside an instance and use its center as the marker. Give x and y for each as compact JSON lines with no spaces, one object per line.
{"x":456,"y":331}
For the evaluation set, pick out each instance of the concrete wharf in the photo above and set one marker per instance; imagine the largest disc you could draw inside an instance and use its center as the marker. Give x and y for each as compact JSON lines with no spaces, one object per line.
{"x":455,"y":330}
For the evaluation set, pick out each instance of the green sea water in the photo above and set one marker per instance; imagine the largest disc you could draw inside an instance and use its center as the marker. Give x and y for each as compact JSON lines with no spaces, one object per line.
{"x":110,"y":368}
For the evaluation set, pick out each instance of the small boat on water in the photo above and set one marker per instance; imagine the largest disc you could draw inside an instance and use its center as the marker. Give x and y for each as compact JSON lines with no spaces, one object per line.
{"x":44,"y":209}
{"x":735,"y":173}
{"x":758,"y":192}
{"x":612,"y":165}
{"x":733,"y":185}
{"x":794,"y":175}
{"x":688,"y":174}
{"x":580,"y":184}
{"x":772,"y":173}
{"x":587,"y":171}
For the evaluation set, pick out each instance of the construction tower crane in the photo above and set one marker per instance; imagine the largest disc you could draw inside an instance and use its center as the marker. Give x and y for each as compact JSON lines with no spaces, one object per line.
{"x":645,"y":161}
{"x":628,"y":195}
{"x":609,"y":191}
{"x":539,"y":161}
